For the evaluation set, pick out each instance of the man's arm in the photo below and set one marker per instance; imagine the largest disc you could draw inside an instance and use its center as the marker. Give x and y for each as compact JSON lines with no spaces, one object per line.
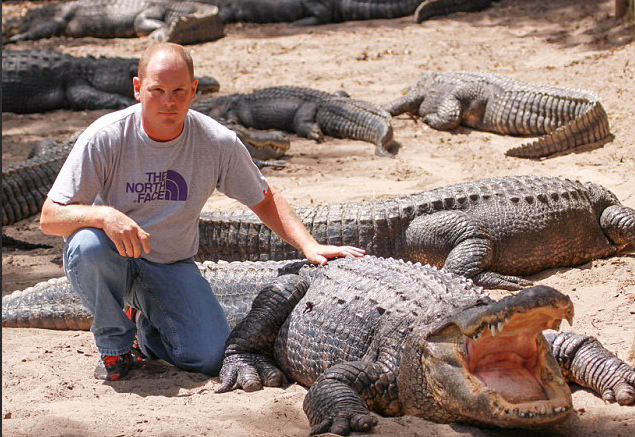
{"x":277,"y":215}
{"x":63,"y":220}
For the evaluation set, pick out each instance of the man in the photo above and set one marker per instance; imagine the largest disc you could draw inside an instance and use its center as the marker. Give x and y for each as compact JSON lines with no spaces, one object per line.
{"x":127,"y":201}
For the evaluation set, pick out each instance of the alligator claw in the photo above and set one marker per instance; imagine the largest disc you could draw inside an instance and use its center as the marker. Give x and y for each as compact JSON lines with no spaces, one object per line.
{"x":622,"y":391}
{"x":343,"y":423}
{"x":250,"y":372}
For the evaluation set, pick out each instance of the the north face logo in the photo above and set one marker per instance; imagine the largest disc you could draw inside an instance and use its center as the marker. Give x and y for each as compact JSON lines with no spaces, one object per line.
{"x":165,"y":185}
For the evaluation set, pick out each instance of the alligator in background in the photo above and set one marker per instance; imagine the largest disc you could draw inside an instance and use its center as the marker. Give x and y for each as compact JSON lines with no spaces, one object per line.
{"x":491,"y":230}
{"x":315,"y":12}
{"x":306,"y":112}
{"x":44,"y":80}
{"x":182,"y":22}
{"x":382,"y":335}
{"x":567,"y":119}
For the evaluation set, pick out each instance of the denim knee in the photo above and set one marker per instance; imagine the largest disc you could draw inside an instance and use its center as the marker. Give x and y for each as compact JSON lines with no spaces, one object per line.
{"x":91,"y":243}
{"x":206,"y":358}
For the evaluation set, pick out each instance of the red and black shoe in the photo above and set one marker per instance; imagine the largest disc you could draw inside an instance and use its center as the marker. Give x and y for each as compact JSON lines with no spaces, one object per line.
{"x":139,"y":359}
{"x":114,"y":367}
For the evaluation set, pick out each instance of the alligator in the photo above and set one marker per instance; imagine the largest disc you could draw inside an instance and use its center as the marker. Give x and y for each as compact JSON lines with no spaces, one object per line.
{"x":44,"y":80}
{"x":182,"y":22}
{"x":316,"y":12}
{"x":491,"y":230}
{"x":567,"y":119}
{"x":26,"y":184}
{"x":306,"y":112}
{"x":385,"y":336}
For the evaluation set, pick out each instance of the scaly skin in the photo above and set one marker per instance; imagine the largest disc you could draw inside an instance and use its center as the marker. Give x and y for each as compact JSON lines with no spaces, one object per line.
{"x":492,"y":230}
{"x":566,"y":119}
{"x":315,"y":12}
{"x":381,"y":335}
{"x":44,"y":80}
{"x":307,"y":112}
{"x":180,"y":22}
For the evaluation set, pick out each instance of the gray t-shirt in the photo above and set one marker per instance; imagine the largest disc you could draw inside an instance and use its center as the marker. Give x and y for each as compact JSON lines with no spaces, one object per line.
{"x":162,"y":186}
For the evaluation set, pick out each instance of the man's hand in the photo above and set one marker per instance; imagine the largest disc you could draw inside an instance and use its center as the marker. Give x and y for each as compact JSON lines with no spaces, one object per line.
{"x":127,"y":235}
{"x":320,"y":253}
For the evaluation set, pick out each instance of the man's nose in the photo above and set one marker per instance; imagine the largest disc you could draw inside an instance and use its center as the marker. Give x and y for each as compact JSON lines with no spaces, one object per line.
{"x":169,"y":99}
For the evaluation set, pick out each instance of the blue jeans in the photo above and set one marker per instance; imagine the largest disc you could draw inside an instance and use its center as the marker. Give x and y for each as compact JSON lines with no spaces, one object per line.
{"x":181,"y":320}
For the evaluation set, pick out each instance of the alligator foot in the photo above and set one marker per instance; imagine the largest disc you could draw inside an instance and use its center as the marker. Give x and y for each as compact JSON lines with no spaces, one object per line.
{"x":586,"y":362}
{"x":249,"y":372}
{"x":496,"y":280}
{"x":335,"y":408}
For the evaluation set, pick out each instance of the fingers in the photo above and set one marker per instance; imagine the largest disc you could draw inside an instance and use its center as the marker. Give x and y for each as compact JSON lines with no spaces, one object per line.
{"x":144,"y":237}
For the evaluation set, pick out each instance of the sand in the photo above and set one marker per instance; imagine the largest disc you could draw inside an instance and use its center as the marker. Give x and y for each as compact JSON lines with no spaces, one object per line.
{"x":47,"y":383}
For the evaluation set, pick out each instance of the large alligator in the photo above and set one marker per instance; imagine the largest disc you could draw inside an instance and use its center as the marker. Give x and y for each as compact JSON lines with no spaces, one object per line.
{"x":25,"y":184}
{"x":567,"y":119}
{"x":382,"y":335}
{"x":315,"y":12}
{"x":45,"y":80}
{"x":183,"y":22}
{"x":307,"y":112}
{"x":491,"y":230}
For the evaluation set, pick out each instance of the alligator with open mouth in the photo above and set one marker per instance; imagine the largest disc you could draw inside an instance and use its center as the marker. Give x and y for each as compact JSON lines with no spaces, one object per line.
{"x":385,"y":336}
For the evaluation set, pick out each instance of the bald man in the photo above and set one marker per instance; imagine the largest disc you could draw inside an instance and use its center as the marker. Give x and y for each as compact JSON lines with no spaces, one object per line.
{"x":127,"y":202}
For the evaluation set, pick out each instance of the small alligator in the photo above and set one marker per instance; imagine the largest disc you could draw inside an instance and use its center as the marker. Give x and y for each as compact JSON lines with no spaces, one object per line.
{"x":44,"y":80}
{"x":491,"y":230}
{"x":183,"y":22}
{"x":26,"y":184}
{"x":383,"y":335}
{"x":567,"y":119}
{"x":307,"y":112}
{"x":315,"y":12}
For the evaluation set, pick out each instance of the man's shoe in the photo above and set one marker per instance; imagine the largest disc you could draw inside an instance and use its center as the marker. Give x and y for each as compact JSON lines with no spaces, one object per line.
{"x":114,"y":367}
{"x":138,"y":357}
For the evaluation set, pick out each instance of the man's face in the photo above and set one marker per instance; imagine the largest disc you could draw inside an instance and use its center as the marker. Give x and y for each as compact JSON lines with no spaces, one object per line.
{"x":166,"y":93}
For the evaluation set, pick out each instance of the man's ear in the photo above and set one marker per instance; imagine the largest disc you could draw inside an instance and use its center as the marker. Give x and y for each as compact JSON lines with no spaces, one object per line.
{"x":194,"y":85}
{"x":136,"y":84}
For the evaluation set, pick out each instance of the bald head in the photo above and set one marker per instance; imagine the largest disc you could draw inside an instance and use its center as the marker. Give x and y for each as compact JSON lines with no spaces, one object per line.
{"x":166,"y":50}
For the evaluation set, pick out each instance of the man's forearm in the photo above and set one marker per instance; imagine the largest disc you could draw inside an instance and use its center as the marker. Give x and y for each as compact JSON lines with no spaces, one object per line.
{"x":63,"y":220}
{"x":276,"y":213}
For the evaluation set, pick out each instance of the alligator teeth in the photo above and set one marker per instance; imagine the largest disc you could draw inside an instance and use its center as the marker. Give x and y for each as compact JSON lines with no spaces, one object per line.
{"x":570,"y":320}
{"x":558,"y":409}
{"x":500,"y":326}
{"x":492,"y":329}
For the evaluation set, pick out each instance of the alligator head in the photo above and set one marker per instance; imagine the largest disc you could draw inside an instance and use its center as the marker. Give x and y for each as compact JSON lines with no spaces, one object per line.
{"x":489,"y":364}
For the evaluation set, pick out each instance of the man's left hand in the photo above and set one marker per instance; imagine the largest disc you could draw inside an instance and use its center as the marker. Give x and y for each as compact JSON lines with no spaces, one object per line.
{"x":321,"y":253}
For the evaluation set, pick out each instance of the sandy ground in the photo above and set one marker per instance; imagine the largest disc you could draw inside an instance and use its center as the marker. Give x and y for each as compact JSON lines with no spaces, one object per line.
{"x":47,"y":384}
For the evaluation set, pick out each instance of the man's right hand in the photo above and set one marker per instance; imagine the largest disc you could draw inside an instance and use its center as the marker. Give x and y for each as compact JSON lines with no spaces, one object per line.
{"x":127,"y":235}
{"x":63,"y":220}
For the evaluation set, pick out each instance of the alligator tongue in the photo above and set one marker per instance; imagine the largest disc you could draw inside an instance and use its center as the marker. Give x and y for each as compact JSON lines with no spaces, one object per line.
{"x":515,"y":384}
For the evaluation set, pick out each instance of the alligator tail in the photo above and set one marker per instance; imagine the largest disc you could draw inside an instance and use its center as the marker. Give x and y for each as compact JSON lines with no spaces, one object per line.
{"x":48,"y":305}
{"x":433,"y":8}
{"x":200,"y":26}
{"x":589,"y":130}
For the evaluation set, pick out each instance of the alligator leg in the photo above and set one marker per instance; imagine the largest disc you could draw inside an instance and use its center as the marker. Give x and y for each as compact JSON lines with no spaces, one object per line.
{"x":333,"y":406}
{"x":460,"y":244}
{"x":304,"y":122}
{"x":83,"y":96}
{"x":248,"y":359}
{"x":150,"y":20}
{"x":443,"y":116}
{"x":586,"y":362}
{"x":618,"y":223}
{"x":340,"y":400}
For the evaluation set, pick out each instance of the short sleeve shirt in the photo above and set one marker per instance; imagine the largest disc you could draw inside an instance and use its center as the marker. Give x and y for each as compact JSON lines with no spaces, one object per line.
{"x":162,"y":186}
